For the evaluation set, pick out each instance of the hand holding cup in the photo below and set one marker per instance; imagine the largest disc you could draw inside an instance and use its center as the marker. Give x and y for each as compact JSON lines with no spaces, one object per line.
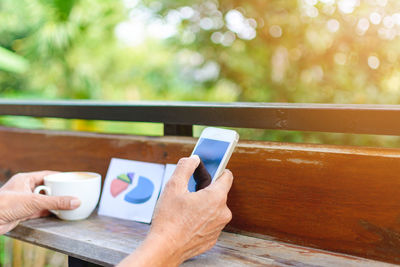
{"x":82,"y":185}
{"x":19,"y":203}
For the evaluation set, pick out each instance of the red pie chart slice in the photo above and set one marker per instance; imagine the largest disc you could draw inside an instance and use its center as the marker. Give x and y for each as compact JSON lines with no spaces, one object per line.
{"x":118,"y":186}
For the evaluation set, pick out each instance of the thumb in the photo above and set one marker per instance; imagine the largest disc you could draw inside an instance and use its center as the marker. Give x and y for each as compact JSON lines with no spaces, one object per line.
{"x":224,"y":183}
{"x":184,"y":170}
{"x":58,"y":202}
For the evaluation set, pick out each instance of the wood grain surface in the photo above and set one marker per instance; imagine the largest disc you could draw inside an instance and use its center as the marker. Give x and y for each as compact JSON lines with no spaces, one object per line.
{"x":106,"y":241}
{"x":343,"y":199}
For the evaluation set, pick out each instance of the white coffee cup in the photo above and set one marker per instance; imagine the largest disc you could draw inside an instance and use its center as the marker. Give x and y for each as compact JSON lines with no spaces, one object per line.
{"x":83,"y":185}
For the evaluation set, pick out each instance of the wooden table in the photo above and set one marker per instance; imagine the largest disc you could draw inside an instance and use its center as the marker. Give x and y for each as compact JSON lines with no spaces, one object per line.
{"x":106,"y":241}
{"x":343,"y":199}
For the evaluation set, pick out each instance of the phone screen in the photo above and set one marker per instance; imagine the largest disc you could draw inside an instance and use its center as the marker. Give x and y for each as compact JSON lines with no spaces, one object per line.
{"x":211,"y":152}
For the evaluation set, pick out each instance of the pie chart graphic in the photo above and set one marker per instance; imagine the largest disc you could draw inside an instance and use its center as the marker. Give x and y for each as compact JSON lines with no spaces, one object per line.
{"x":121,"y":183}
{"x":142,"y":192}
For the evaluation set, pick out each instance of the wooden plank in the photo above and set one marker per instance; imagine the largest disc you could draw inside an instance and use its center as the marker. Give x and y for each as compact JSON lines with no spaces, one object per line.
{"x":344,"y":199}
{"x":106,"y":241}
{"x":17,"y":253}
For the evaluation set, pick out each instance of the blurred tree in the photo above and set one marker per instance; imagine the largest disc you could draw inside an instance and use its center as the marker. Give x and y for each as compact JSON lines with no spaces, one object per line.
{"x":61,"y":41}
{"x":297,"y":51}
{"x":323,"y":51}
{"x":11,"y":62}
{"x":289,"y":51}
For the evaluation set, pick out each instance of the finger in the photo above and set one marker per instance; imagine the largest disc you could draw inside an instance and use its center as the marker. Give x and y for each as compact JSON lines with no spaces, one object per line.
{"x":212,"y":228}
{"x":57,"y":202}
{"x":223,"y":183}
{"x":201,"y":245}
{"x":201,"y":177}
{"x":184,"y":170}
{"x":209,"y":242}
{"x":38,"y":177}
{"x":4,"y":228}
{"x":42,"y":213}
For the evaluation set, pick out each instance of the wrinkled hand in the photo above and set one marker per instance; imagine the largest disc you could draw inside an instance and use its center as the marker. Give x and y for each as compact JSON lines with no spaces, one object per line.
{"x":192,"y":222}
{"x":185,"y":224}
{"x":19,"y":203}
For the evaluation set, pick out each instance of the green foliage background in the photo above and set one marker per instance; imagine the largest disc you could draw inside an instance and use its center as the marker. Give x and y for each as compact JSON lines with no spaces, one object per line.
{"x":2,"y":251}
{"x":285,"y":51}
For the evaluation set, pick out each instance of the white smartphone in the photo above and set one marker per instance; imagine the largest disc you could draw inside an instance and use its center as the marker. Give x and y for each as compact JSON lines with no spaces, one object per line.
{"x":214,"y":147}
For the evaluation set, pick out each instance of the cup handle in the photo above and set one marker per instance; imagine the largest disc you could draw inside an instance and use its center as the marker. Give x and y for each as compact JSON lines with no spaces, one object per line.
{"x":47,"y":191}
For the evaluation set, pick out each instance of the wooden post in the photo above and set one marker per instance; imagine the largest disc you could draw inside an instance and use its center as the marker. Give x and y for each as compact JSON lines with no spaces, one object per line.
{"x":17,"y":253}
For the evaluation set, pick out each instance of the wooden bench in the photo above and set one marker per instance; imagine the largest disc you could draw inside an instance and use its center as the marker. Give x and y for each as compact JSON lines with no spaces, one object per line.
{"x":292,"y":204}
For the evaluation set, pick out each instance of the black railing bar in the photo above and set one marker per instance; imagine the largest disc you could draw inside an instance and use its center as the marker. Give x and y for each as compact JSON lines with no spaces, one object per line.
{"x":256,"y":105}
{"x":365,"y":119}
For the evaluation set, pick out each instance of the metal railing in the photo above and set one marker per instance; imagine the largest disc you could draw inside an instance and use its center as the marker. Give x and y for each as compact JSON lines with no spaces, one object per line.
{"x":179,"y":117}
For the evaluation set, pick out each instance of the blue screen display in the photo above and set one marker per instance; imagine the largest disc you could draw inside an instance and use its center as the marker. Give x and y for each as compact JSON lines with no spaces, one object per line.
{"x":211,"y":153}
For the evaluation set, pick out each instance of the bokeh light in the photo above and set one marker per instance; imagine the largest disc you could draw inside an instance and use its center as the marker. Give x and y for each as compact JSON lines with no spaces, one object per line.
{"x":286,"y":51}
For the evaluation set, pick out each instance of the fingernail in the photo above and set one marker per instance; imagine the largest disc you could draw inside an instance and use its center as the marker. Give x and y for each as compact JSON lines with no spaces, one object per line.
{"x":75,"y":203}
{"x":196,"y":157}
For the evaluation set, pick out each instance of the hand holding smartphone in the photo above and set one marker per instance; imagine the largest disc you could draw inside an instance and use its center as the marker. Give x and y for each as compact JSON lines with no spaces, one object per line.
{"x":214,"y":147}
